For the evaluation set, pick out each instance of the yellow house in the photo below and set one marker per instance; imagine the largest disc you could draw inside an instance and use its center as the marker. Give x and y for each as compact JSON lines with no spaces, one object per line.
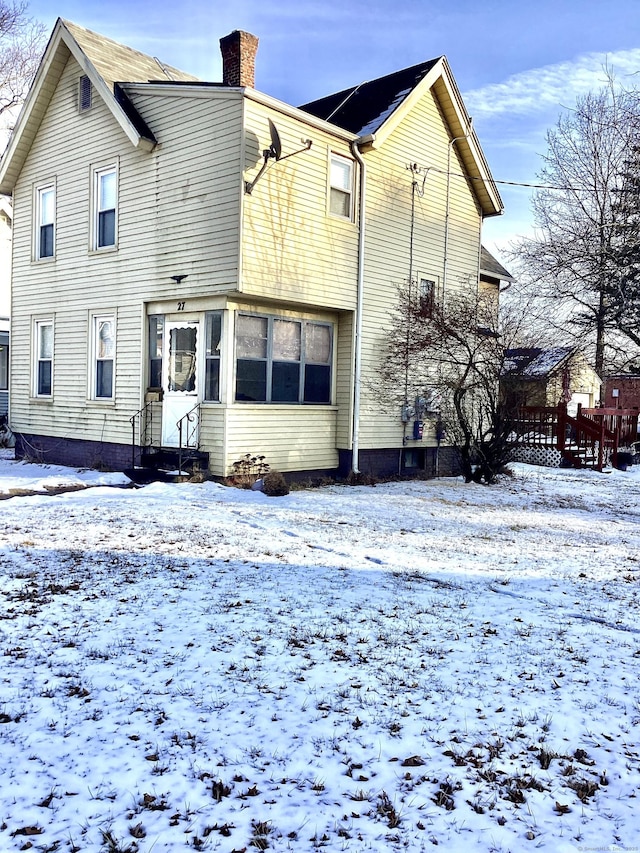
{"x":545,"y":377}
{"x":199,"y":266}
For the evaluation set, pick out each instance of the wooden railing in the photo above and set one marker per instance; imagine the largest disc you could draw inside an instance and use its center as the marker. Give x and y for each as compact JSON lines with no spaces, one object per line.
{"x":591,"y":437}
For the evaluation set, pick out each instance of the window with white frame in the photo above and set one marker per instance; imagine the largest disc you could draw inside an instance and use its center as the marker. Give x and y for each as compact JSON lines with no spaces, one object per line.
{"x":341,"y":186}
{"x":105,"y":196}
{"x":282,"y":360}
{"x":213,"y":337}
{"x":103,"y":333}
{"x":43,"y":358}
{"x":45,"y":222}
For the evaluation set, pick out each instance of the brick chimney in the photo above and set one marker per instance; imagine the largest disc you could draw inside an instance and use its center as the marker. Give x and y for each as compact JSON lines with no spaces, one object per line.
{"x":239,"y":59}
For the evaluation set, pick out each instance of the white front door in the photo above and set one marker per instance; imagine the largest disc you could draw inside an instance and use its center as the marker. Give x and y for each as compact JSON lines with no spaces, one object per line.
{"x":180,"y":383}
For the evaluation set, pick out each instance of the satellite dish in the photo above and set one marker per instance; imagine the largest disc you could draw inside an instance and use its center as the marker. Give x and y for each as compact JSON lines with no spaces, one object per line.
{"x":273,"y":152}
{"x":276,"y":146}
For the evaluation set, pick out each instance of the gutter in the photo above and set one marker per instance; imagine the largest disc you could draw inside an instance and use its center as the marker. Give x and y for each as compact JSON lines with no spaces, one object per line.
{"x":357,"y":357}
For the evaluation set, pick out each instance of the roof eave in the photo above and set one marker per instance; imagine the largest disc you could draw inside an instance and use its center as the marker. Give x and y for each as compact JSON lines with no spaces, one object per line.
{"x":440,"y":78}
{"x":60,"y":46}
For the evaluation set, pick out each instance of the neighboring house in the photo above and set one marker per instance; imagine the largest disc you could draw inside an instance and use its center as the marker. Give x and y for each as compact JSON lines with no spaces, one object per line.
{"x":6,"y":219}
{"x":202,"y":249}
{"x":622,"y":391}
{"x":546,"y":377}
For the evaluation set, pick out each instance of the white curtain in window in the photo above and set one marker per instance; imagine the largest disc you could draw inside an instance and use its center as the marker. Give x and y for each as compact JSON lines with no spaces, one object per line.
{"x":106,"y":342}
{"x":251,"y":336}
{"x":286,"y":340}
{"x":317,"y":342}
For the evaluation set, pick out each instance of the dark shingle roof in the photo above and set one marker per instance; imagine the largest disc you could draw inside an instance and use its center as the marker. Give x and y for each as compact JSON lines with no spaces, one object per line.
{"x":534,"y":362}
{"x":493,"y":267}
{"x":364,"y":108}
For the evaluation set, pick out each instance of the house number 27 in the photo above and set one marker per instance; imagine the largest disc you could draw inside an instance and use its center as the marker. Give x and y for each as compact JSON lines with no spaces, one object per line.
{"x":181,"y":306}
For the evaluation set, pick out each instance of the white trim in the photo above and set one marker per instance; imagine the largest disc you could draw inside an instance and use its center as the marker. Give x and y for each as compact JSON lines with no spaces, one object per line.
{"x":97,"y":172}
{"x":39,"y":323}
{"x":95,"y":318}
{"x":349,"y":163}
{"x":39,"y":191}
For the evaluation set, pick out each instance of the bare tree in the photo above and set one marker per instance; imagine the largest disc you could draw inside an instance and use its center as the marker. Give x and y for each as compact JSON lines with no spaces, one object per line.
{"x":573,"y":261}
{"x":454,"y":354}
{"x":22,"y":41}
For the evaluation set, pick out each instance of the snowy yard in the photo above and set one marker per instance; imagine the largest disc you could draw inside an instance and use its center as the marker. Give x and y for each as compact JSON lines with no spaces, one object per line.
{"x":193,"y":667}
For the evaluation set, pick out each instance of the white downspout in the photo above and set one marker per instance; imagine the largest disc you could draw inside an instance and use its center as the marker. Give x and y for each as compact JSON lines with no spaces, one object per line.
{"x":357,"y":358}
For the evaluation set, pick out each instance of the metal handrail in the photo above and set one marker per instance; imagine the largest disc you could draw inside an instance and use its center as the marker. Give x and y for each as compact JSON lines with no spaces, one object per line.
{"x":191,"y":422}
{"x":145,"y":415}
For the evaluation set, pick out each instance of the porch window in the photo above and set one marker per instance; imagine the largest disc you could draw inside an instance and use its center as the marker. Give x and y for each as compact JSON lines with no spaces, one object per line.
{"x":105,"y":207}
{"x":156,"y":334}
{"x":341,"y":186}
{"x":281,"y":360}
{"x":104,"y":350}
{"x":45,"y":222}
{"x":43,"y":383}
{"x":213,"y":335}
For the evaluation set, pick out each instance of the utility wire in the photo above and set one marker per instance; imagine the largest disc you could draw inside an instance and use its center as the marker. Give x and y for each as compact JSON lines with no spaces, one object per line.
{"x":427,"y":169}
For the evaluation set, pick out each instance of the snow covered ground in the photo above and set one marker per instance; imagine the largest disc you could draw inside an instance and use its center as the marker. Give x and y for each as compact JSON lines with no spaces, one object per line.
{"x":194,"y":667}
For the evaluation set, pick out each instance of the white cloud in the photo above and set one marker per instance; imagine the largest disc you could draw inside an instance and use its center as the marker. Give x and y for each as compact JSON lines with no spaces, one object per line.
{"x":538,"y":89}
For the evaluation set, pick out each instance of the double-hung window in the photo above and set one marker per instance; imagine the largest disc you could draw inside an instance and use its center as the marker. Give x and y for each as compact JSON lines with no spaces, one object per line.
{"x":45,"y":222}
{"x":103,"y":332}
{"x":341,"y":186}
{"x":105,"y":195}
{"x":282,"y":360}
{"x":43,"y":358}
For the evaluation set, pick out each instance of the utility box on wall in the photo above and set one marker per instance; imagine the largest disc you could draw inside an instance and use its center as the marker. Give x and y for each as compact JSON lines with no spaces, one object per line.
{"x":418,"y":429}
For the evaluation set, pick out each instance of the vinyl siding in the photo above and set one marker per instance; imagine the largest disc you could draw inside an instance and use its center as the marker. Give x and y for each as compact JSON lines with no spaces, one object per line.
{"x":188,"y":186}
{"x":422,"y":139}
{"x":293,"y":249}
{"x":292,"y":438}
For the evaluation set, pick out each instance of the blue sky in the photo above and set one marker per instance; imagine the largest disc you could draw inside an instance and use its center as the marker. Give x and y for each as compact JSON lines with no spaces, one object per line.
{"x":518,"y":64}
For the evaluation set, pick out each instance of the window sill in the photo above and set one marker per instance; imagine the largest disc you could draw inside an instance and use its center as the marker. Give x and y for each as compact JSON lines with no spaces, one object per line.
{"x":286,"y":406}
{"x":346,"y":220}
{"x":103,"y":250}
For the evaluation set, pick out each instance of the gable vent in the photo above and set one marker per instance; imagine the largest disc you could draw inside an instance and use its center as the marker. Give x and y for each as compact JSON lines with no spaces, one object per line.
{"x":84,"y":93}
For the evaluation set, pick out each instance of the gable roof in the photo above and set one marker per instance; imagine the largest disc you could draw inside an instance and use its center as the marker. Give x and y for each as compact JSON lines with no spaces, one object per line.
{"x":534,"y":362}
{"x":371,"y":110}
{"x":374,"y":109}
{"x":106,"y":63}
